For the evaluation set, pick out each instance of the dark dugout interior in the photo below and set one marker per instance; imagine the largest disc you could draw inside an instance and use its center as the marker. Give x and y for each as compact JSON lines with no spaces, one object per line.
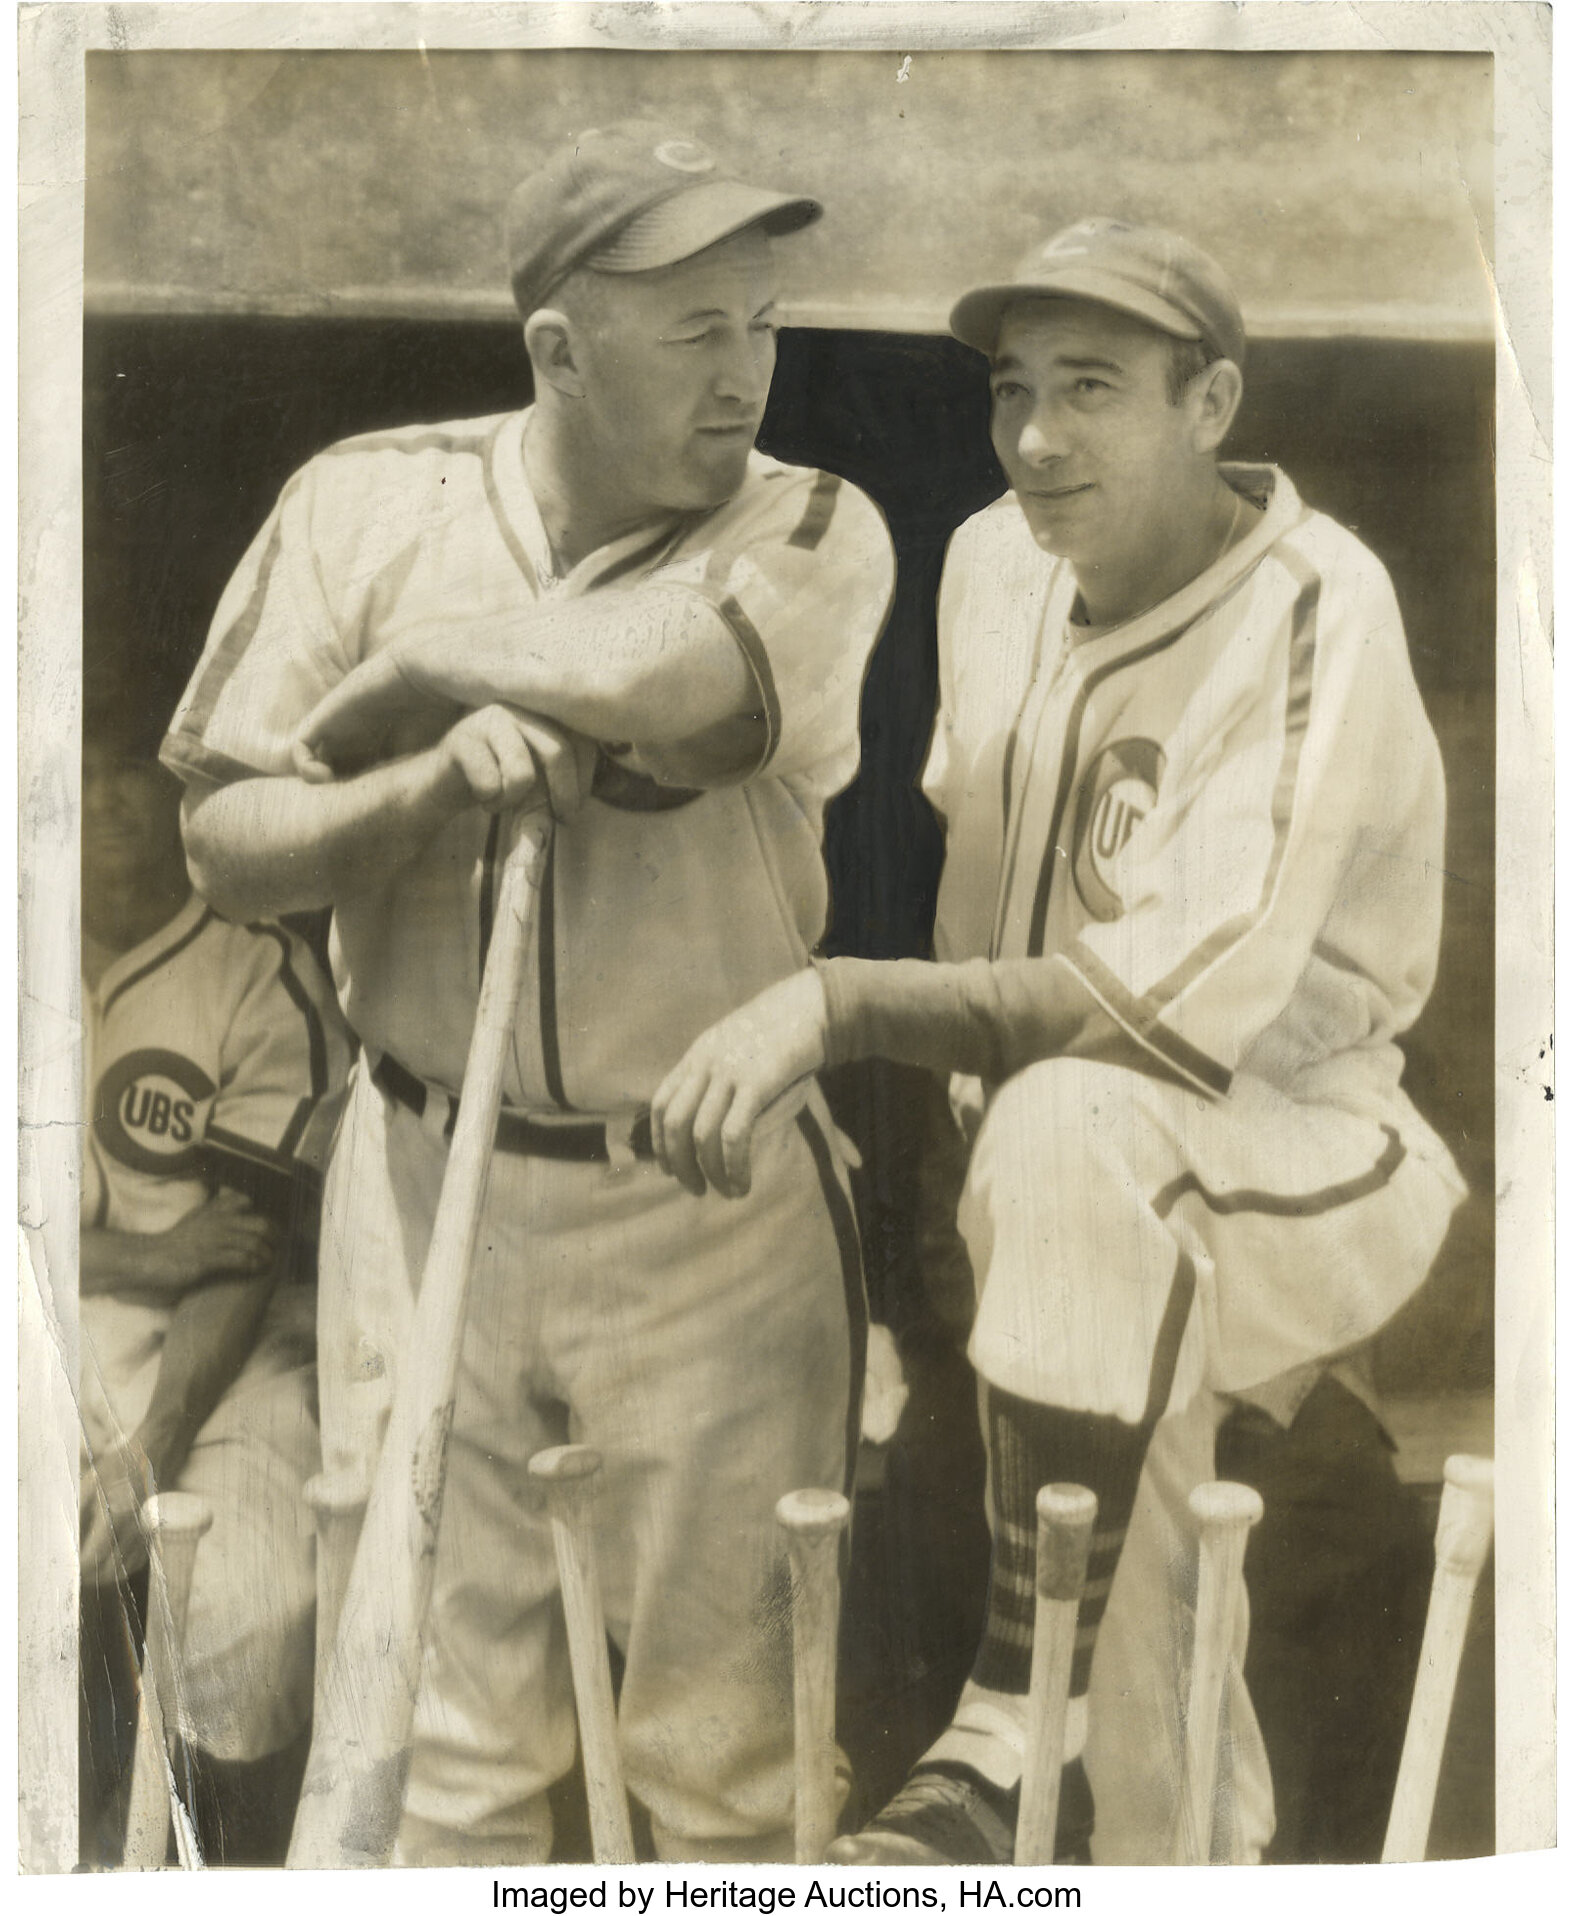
{"x":192,"y":425}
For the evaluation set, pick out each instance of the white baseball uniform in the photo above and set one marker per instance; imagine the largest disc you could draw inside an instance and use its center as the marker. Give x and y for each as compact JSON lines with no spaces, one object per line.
{"x":706,"y":1348}
{"x":215,"y":1054}
{"x":1220,"y":827}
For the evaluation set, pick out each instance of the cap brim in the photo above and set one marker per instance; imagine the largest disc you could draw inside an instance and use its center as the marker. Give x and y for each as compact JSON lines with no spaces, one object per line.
{"x":688,"y":222}
{"x":976,"y":317}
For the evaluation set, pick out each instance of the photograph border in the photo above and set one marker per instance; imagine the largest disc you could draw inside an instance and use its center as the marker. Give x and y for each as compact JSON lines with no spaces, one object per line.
{"x":53,"y":41}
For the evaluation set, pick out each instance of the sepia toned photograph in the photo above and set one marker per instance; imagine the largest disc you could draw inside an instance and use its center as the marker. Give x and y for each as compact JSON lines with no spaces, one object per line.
{"x":779,"y":1065}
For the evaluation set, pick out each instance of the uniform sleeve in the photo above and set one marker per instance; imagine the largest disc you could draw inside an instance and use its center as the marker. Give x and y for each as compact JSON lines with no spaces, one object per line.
{"x":284,"y":1063}
{"x":1305,"y":837}
{"x":273,"y":651}
{"x":1311,"y":793}
{"x":803,"y":583}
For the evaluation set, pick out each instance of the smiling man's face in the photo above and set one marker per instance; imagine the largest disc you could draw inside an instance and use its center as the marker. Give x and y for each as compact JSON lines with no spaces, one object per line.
{"x":1103,"y":462}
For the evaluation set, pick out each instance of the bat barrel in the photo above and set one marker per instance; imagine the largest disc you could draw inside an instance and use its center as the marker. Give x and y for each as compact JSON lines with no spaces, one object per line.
{"x":813,"y":1521}
{"x":352,"y":1797}
{"x":569,"y":1479}
{"x":337,"y":1499}
{"x":1066,"y":1514}
{"x":1464,"y":1535}
{"x":1225,"y":1514}
{"x":174,"y":1522}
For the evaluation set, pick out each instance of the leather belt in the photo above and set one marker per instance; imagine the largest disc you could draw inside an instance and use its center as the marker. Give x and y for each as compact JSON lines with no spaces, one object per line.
{"x":574,"y":1140}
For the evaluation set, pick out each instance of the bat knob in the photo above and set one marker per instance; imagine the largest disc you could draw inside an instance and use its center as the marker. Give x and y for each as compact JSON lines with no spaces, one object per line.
{"x":336,"y":1493}
{"x":1065,"y":1529}
{"x":813,"y":1513}
{"x":1464,"y":1518}
{"x":567,"y":1476}
{"x":1225,"y":1506}
{"x":176,"y":1513}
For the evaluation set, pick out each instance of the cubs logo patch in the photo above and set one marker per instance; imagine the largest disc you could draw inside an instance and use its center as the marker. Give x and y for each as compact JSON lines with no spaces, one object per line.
{"x":1118,"y":791}
{"x":685,"y":156}
{"x":146,"y":1114}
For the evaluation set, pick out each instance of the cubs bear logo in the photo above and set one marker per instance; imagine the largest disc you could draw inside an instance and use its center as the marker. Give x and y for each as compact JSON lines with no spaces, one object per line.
{"x":146,"y":1111}
{"x":1118,"y":791}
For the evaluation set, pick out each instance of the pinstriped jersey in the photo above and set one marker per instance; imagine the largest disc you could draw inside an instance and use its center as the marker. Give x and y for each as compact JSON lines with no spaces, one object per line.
{"x":664,"y":904}
{"x":214,"y":1053}
{"x":1223,"y":821}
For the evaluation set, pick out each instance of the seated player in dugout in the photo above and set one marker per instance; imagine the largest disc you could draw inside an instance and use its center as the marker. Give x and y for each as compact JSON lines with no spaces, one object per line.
{"x":1192,"y":896}
{"x":610,"y":604}
{"x":214,"y":1063}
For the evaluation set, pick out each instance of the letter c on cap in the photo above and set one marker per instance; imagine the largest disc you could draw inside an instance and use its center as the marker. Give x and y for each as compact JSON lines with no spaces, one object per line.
{"x":685,"y":156}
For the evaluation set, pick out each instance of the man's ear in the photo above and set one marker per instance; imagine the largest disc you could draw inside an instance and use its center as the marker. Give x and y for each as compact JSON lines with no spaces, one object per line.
{"x":549,"y":340}
{"x":1215,"y":398}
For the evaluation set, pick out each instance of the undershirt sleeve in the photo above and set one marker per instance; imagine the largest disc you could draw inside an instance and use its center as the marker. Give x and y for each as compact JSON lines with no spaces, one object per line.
{"x":986,"y":1019}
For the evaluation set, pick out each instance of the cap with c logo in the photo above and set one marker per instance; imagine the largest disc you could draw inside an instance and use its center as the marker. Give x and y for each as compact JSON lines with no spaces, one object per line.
{"x":1142,"y":270}
{"x":628,"y":198}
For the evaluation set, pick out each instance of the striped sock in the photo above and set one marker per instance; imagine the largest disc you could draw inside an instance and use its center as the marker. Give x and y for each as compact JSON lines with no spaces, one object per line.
{"x":1031,"y":1445}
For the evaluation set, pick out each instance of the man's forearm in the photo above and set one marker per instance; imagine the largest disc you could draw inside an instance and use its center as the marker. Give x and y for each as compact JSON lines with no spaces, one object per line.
{"x":656,"y":664}
{"x":270,"y":845}
{"x":983,"y":1019}
{"x":212,"y":1332}
{"x":114,"y":1260}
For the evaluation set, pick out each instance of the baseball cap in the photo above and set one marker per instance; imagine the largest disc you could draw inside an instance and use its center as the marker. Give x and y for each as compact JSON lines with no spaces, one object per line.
{"x":1142,"y":270}
{"x":628,"y":198}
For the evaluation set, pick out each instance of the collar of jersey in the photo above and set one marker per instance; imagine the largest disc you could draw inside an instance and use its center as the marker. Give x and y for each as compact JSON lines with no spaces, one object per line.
{"x":524,"y":517}
{"x":169,"y":933}
{"x":1182,"y":608}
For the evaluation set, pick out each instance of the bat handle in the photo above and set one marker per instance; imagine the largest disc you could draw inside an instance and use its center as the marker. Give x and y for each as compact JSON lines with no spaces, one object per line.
{"x":1066,"y":1513}
{"x":174,"y":1524}
{"x":1464,"y":1535}
{"x":1225,"y":1514}
{"x":814,"y":1521}
{"x":568,"y":1478}
{"x":337,"y":1499}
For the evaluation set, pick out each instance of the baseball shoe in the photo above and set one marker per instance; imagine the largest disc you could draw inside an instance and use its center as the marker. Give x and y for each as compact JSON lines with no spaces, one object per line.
{"x":950,"y":1815}
{"x":937,"y":1816}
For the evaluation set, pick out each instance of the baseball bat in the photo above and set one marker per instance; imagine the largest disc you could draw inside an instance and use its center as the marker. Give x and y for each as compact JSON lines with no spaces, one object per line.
{"x":1065,"y":1529}
{"x":1464,"y":1534}
{"x":1225,"y":1514}
{"x":337,"y":1499}
{"x":353,"y":1792}
{"x":814,"y":1521}
{"x":567,"y":1478}
{"x":173,"y":1523}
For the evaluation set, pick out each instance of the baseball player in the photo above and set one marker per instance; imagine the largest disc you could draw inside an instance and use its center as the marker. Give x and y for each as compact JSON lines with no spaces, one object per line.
{"x":612,"y":605}
{"x":215,"y":1063}
{"x":1192,"y":895}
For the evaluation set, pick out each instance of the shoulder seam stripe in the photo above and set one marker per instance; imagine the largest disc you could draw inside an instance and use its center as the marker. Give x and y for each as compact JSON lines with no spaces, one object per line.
{"x":494,"y":499}
{"x":817,"y":514}
{"x":162,"y":958}
{"x":1297,"y":714}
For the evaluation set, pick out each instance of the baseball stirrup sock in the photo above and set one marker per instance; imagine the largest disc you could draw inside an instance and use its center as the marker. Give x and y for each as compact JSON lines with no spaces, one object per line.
{"x":1031,"y":1445}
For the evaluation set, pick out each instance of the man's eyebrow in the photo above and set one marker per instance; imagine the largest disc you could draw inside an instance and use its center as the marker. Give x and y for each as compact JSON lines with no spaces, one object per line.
{"x":1088,"y":363}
